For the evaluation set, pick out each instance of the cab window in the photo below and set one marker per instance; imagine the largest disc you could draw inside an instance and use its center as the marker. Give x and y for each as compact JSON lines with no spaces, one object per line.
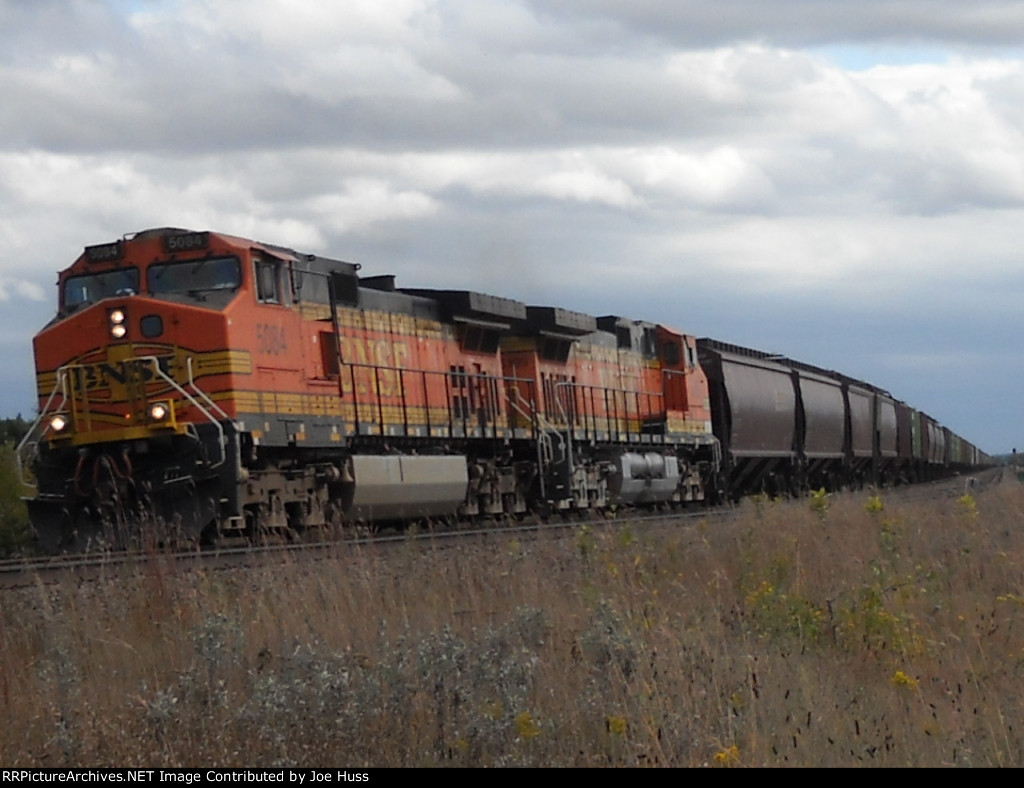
{"x":268,"y":282}
{"x":671,"y":353}
{"x":90,"y":288}
{"x":195,"y":277}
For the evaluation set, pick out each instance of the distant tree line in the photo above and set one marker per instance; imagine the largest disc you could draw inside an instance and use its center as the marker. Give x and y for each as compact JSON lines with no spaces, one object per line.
{"x":13,"y":430}
{"x":14,"y":527}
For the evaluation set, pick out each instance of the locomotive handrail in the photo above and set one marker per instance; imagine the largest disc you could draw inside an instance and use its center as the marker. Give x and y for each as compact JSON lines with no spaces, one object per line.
{"x":620,"y":404}
{"x":570,"y":426}
{"x":490,"y":399}
{"x":195,"y":403}
{"x":544,"y":429}
{"x":532,"y":415}
{"x":27,"y":440}
{"x":206,"y":397}
{"x":612,"y":418}
{"x":81,"y":412}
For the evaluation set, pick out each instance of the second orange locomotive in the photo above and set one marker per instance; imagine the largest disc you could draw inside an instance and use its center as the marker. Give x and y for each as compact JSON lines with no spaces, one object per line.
{"x":195,"y":385}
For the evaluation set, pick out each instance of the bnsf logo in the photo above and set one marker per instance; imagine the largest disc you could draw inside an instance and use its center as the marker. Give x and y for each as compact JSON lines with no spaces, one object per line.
{"x":375,"y":363}
{"x":118,"y":374}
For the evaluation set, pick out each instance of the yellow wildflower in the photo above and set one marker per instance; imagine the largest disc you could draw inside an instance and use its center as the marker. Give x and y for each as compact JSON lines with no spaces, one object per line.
{"x":527,"y":726}
{"x":901,"y":679}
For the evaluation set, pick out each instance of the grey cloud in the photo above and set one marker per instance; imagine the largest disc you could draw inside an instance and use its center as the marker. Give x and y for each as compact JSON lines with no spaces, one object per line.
{"x":798,"y":23}
{"x":678,"y":162}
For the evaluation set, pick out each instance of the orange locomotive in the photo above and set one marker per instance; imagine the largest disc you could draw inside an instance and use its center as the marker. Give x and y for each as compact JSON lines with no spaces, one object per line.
{"x":194,"y":385}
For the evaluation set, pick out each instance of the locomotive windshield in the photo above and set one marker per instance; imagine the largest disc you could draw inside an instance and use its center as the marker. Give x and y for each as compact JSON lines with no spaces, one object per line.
{"x":89,"y":288}
{"x":195,"y":277}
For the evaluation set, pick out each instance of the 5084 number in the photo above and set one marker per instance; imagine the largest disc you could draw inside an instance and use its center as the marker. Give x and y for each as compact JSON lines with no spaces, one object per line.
{"x":270,"y":340}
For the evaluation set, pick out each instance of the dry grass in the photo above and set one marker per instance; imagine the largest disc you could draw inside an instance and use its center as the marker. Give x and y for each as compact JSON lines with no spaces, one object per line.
{"x":838,"y":632}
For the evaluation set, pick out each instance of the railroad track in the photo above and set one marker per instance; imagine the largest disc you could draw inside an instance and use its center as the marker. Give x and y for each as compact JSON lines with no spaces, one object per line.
{"x":23,"y":572}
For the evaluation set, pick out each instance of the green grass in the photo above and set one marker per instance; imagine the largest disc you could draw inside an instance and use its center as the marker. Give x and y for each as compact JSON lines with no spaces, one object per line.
{"x":14,"y":526}
{"x":858,"y":633}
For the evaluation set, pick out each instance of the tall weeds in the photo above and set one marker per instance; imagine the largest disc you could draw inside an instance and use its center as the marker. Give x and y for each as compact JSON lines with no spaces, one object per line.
{"x":861,"y":632}
{"x":14,"y":527}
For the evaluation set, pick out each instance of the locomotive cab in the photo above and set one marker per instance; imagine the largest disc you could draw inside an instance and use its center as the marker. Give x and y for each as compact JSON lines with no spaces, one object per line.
{"x":133,"y":424}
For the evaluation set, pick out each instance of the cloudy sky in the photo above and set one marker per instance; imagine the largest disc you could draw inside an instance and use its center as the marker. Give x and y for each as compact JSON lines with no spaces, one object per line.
{"x":838,"y":182}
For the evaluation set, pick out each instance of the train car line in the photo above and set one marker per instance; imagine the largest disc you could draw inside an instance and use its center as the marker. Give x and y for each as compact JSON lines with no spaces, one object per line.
{"x":198,"y":388}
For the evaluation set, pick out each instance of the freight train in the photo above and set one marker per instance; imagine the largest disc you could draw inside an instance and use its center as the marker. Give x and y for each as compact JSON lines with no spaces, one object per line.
{"x":198,"y":387}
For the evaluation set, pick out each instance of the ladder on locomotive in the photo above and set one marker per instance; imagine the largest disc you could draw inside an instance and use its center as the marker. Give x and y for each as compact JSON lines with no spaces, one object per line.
{"x":553,"y":448}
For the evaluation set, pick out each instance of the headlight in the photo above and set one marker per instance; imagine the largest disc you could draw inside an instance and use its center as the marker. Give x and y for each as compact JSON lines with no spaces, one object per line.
{"x":118,"y":323}
{"x":60,"y":423}
{"x":159,"y":411}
